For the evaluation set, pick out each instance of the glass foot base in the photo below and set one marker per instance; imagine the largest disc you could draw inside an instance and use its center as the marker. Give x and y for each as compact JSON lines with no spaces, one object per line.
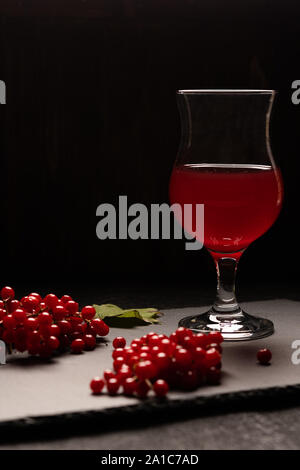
{"x":237,"y":326}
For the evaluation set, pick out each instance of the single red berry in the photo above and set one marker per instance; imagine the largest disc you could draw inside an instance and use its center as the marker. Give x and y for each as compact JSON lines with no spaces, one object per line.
{"x":173,"y":337}
{"x":119,"y":342}
{"x":183,"y":358}
{"x":145,"y":370}
{"x":128,"y":353}
{"x":145,"y":356}
{"x":30,"y":303}
{"x":100,"y":327}
{"x":53,"y":342}
{"x":66,"y":298}
{"x":51,"y":300}
{"x":119,"y":352}
{"x":167,"y":346}
{"x":88,"y":312}
{"x":212,"y":357}
{"x":89,"y":342}
{"x":12,"y":305}
{"x":142,"y":389}
{"x":199,"y":355}
{"x":54,"y":330}
{"x":181,"y":333}
{"x":59,"y":312}
{"x":97,"y":385}
{"x":108,"y":374}
{"x":118,"y":363}
{"x":7,"y":293}
{"x":33,"y":339}
{"x":213,"y":376}
{"x":201,"y":340}
{"x":134,"y":359}
{"x":113,"y":386}
{"x":65,"y":326}
{"x":20,"y":316}
{"x":162,"y":361}
{"x":44,"y":318}
{"x":35,"y":294}
{"x":123,"y":373}
{"x":136,"y":343}
{"x":154,"y":340}
{"x":77,"y":345}
{"x":93,"y":326}
{"x":215,"y":337}
{"x":104,"y":330}
{"x":189,"y":343}
{"x":161,"y":388}
{"x":264,"y":356}
{"x":9,"y":322}
{"x":129,"y":386}
{"x":72,"y":307}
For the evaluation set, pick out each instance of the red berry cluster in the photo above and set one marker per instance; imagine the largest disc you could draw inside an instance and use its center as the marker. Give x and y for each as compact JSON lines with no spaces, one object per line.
{"x":43,"y":325}
{"x":183,"y":360}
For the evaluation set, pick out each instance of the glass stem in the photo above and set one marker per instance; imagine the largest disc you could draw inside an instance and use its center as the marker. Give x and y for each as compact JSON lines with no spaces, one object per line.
{"x":226,"y":271}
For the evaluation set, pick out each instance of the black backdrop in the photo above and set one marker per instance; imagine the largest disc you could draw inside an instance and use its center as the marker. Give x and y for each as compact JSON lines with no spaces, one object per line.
{"x":91,"y":114}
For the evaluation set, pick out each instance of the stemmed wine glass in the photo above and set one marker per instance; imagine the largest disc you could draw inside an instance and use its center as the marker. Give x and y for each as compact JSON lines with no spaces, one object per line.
{"x":225,"y":162}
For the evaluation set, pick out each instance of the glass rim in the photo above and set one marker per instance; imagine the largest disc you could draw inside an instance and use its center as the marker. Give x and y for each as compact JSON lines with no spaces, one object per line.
{"x":226,"y":91}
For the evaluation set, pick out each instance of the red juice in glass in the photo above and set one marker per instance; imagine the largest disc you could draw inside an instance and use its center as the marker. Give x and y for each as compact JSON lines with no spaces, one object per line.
{"x":241,"y":201}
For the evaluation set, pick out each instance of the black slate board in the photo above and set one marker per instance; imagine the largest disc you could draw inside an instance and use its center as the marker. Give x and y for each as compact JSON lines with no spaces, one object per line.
{"x":54,"y":397}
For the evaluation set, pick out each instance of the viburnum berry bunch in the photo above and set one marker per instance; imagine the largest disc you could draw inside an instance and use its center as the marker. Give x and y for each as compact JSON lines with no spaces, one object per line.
{"x":42,"y":326}
{"x":183,"y":360}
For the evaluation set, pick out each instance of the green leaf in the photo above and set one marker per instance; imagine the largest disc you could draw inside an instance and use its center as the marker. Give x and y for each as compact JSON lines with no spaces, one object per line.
{"x":136,"y":313}
{"x":149,"y":312}
{"x":107,"y":310}
{"x":143,"y":315}
{"x":131,"y":313}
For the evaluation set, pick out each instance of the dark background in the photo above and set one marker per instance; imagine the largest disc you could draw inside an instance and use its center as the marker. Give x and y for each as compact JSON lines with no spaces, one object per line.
{"x":91,"y":114}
